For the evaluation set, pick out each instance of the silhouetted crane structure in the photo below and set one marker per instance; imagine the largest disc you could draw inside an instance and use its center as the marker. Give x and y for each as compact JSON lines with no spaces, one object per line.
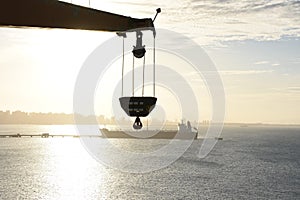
{"x":56,"y":14}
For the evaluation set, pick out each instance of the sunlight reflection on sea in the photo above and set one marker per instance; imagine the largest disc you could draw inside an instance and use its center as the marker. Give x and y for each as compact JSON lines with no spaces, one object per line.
{"x":252,"y":162}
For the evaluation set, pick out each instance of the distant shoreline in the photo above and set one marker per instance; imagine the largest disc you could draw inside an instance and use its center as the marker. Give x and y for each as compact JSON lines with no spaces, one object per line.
{"x":32,"y":118}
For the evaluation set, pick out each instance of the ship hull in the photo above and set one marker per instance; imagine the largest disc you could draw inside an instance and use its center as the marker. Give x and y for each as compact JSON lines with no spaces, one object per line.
{"x":149,"y":134}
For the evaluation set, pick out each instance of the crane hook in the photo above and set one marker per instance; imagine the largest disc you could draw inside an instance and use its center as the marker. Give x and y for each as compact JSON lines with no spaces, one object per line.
{"x":139,"y":50}
{"x":137,"y":124}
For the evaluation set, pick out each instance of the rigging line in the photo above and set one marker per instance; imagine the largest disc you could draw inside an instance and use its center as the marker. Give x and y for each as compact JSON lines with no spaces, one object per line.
{"x":123,"y":65}
{"x":154,"y":60}
{"x":133,"y":76}
{"x":144,"y":75}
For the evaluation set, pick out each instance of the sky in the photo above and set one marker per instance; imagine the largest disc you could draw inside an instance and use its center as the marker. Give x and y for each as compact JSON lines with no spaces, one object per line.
{"x":254,"y":44}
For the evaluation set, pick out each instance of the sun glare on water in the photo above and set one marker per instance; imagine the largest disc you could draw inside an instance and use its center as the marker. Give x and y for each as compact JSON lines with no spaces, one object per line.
{"x":75,"y":174}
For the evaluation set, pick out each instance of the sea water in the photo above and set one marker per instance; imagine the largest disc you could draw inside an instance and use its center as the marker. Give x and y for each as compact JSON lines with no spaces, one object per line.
{"x":255,"y":162}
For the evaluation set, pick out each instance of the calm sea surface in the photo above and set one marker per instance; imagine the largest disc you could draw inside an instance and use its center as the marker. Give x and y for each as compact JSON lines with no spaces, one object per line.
{"x":250,"y":163}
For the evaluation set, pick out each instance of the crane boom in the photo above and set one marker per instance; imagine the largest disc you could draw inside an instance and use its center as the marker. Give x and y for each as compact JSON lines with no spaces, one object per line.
{"x":56,"y":14}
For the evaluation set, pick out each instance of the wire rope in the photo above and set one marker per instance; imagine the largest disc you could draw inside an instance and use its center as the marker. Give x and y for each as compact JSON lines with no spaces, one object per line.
{"x":133,"y":76}
{"x":154,"y":70}
{"x":144,"y":75}
{"x":123,"y":66}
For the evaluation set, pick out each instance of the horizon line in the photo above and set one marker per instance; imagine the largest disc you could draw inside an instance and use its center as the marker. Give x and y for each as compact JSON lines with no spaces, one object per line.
{"x":203,"y":121}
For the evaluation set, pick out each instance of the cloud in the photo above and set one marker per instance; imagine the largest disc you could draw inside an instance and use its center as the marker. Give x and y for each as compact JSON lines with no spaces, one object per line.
{"x":229,"y":72}
{"x":264,"y":62}
{"x":261,"y":62}
{"x":244,"y":72}
{"x":215,"y":21}
{"x":296,"y":61}
{"x":287,"y":90}
{"x":294,"y":89}
{"x":244,"y":20}
{"x":275,"y":64}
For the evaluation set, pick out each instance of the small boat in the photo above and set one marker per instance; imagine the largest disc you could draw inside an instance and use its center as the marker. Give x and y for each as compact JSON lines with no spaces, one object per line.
{"x":184,"y":132}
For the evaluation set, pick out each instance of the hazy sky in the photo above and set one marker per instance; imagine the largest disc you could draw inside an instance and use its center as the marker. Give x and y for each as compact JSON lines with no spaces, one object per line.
{"x":254,"y":44}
